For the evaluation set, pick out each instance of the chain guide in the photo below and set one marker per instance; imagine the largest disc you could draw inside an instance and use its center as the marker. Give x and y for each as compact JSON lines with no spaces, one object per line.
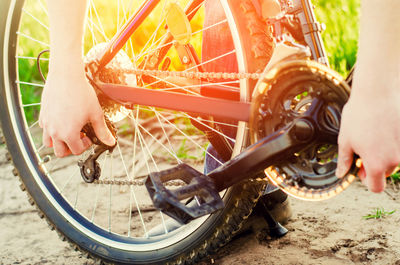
{"x":284,"y":93}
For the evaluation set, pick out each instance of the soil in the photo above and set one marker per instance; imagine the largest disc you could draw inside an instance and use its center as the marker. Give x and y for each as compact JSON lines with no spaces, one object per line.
{"x":328,"y":232}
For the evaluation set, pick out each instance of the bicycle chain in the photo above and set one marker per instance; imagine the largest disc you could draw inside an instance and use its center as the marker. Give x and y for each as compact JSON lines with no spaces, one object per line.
{"x":134,"y":182}
{"x":141,"y":182}
{"x":191,"y":75}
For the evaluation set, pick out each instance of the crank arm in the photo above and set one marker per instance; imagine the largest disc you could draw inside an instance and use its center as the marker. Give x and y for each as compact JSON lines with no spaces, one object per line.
{"x":271,"y":150}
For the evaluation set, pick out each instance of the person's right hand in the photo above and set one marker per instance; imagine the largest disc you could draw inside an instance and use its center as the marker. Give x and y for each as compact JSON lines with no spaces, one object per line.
{"x":370,"y":127}
{"x":68,"y":103}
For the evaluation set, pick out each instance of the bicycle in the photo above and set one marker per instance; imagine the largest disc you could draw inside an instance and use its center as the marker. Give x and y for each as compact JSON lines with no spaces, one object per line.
{"x":145,"y":91}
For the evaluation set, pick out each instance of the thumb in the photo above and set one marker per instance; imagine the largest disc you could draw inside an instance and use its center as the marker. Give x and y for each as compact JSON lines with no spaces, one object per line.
{"x":345,"y":159}
{"x":101,"y":130}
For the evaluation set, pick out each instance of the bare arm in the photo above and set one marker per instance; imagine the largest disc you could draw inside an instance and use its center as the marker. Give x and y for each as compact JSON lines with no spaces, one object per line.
{"x":370,"y":124}
{"x":68,"y":101}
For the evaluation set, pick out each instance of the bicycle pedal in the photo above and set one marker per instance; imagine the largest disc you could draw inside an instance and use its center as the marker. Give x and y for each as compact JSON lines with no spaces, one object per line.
{"x":192,"y":186}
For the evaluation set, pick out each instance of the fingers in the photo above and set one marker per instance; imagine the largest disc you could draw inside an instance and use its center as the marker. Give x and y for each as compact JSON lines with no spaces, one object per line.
{"x":72,"y":144}
{"x":47,"y":139}
{"x":376,"y":178}
{"x":377,"y":170}
{"x":345,"y":159}
{"x":60,"y":149}
{"x":101,"y":130}
{"x":78,"y":145}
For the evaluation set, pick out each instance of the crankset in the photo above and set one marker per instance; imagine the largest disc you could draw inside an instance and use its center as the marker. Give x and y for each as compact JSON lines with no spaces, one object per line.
{"x":294,"y":125}
{"x":303,"y":91}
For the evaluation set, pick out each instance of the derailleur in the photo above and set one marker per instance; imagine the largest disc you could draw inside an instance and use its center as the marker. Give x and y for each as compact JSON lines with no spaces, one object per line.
{"x":90,"y":168}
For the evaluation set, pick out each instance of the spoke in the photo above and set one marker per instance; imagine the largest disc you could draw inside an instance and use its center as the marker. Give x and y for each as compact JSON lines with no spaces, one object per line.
{"x":43,"y":8}
{"x":126,"y":17}
{"x":29,"y":83}
{"x":134,"y":143}
{"x":146,"y":162}
{"x":31,"y":104}
{"x":109,"y":205}
{"x":98,"y":190}
{"x":90,"y":26}
{"x":170,"y":83}
{"x":97,"y":17}
{"x":137,"y":132}
{"x":32,"y":125}
{"x":32,"y":58}
{"x":148,"y":168}
{"x":54,"y":164}
{"x":223,"y":84}
{"x":211,"y":60}
{"x":190,"y":138}
{"x":202,"y":119}
{"x":68,"y":180}
{"x":209,"y":27}
{"x":109,"y":209}
{"x":130,"y":213}
{"x":40,"y":148}
{"x":76,"y":195}
{"x":118,"y":4}
{"x":37,"y":20}
{"x":157,"y":140}
{"x":186,"y":136}
{"x":32,"y":39}
{"x":163,"y":221}
{"x":95,"y":26}
{"x":165,"y":134}
{"x":132,"y":194}
{"x":154,"y":34}
{"x":211,"y":128}
{"x":141,"y":54}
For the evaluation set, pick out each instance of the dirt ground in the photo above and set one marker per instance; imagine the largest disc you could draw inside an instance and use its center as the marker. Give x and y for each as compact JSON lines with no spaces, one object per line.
{"x":329,"y":232}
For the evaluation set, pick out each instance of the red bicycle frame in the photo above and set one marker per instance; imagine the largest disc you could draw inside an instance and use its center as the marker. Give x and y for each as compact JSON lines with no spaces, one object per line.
{"x":217,"y":107}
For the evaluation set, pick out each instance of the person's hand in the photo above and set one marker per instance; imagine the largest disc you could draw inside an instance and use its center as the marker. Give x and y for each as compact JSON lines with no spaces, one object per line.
{"x":68,"y":103}
{"x":370,"y":127}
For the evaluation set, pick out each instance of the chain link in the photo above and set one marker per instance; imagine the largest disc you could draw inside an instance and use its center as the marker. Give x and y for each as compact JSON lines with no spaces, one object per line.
{"x":133,"y":182}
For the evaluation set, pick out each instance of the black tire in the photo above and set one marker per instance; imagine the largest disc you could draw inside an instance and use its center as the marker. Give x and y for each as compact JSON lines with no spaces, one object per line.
{"x":213,"y":233}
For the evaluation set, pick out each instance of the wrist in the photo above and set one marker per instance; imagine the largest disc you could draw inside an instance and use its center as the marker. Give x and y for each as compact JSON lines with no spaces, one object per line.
{"x":67,"y":66}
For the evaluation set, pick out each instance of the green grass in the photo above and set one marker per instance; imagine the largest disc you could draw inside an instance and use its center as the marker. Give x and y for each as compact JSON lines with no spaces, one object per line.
{"x":378,"y":214}
{"x":395,"y":177}
{"x":340,"y":38}
{"x":341,"y":34}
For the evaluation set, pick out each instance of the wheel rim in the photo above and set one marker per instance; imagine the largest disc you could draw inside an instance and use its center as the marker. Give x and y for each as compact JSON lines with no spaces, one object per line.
{"x":45,"y":175}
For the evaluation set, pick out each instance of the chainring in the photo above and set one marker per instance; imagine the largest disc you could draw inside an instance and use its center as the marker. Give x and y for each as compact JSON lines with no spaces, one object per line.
{"x":285,"y":92}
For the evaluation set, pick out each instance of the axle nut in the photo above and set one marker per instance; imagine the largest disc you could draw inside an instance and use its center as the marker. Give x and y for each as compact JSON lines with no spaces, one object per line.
{"x":303,"y":130}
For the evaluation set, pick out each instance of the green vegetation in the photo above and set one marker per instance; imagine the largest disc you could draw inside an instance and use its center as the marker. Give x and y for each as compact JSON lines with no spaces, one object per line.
{"x":395,"y":177}
{"x":183,"y":152}
{"x":341,"y":34}
{"x":378,"y":214}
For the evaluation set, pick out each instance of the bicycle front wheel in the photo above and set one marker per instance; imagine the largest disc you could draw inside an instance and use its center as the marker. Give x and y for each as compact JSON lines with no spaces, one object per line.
{"x":110,"y":221}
